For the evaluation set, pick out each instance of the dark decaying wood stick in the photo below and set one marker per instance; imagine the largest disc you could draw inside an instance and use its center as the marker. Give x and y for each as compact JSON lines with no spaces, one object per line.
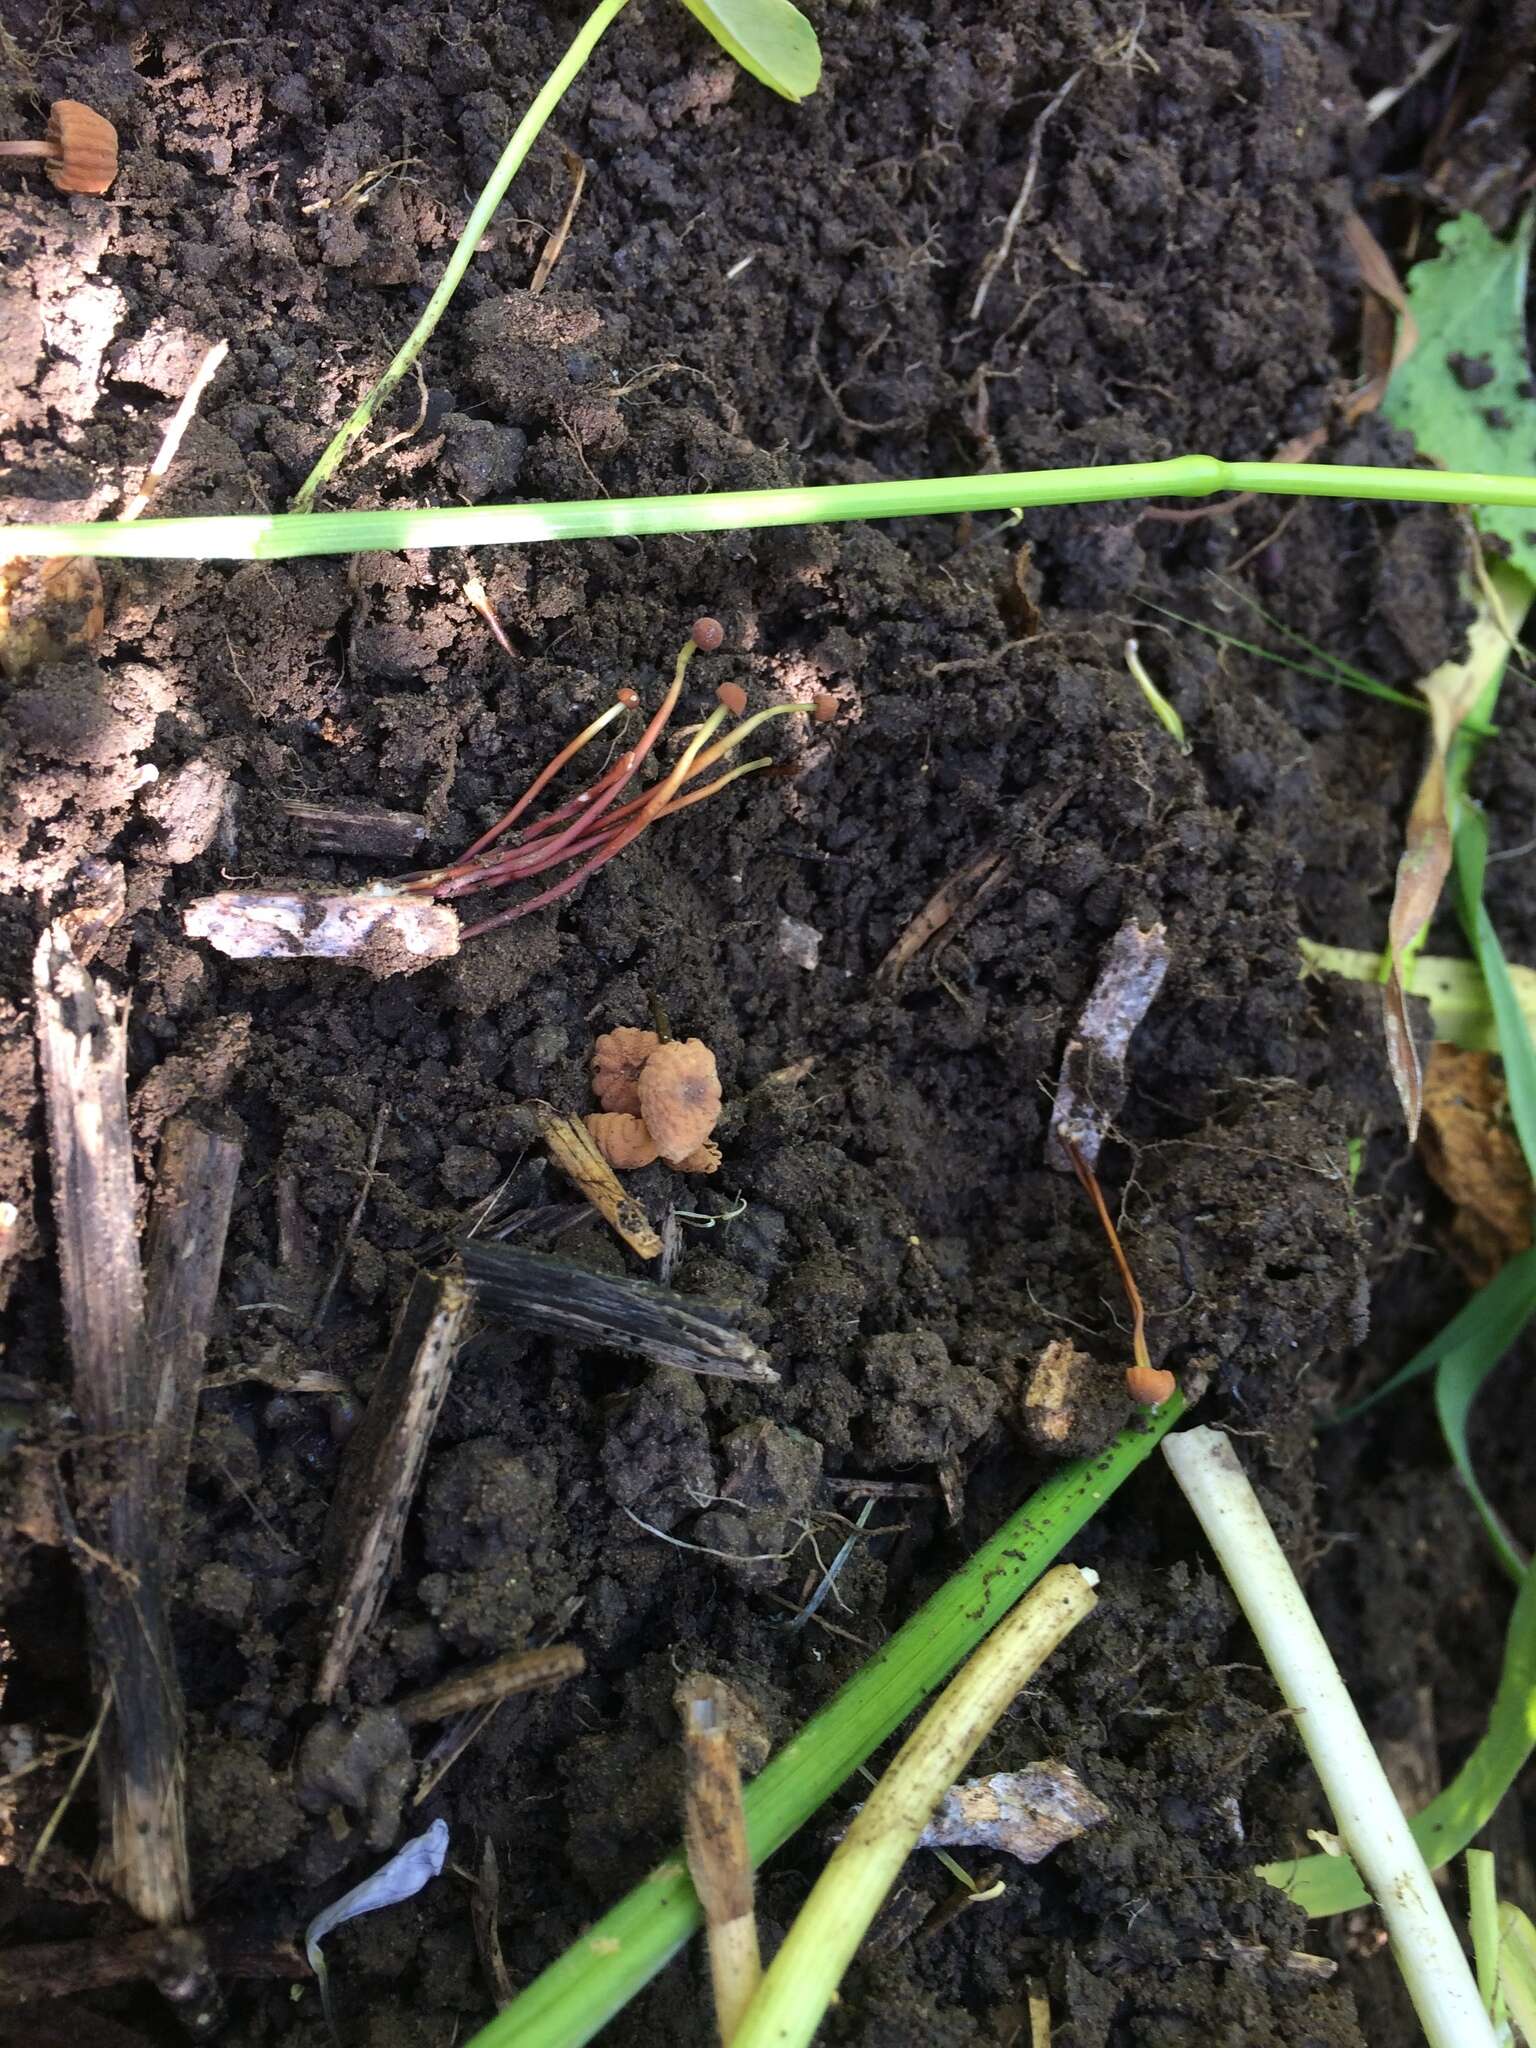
{"x":356,"y":828}
{"x":82,"y":1050}
{"x":183,"y":1254}
{"x":566,"y":1301}
{"x":383,"y":1463}
{"x":62,"y":1969}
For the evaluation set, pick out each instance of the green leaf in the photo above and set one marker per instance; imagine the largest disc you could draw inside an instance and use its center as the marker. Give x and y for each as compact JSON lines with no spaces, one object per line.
{"x":1458,"y":1381}
{"x":1462,"y":393}
{"x":1484,"y":1327}
{"x":1459,"y":1006}
{"x":770,"y":38}
{"x":1510,"y":1021}
{"x":1331,"y":1884}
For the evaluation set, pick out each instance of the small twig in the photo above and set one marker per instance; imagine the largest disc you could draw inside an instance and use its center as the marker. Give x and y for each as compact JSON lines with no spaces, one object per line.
{"x":82,"y":1765}
{"x":980,"y":878}
{"x":557,"y":241}
{"x":370,"y":1167}
{"x":356,"y":829}
{"x":715,"y":1841}
{"x":383,"y":1464}
{"x":489,"y":1684}
{"x":1000,"y":254}
{"x":179,"y":422}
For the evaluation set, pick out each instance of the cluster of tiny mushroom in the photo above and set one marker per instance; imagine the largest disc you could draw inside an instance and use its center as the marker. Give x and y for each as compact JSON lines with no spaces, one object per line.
{"x":661,"y":1100}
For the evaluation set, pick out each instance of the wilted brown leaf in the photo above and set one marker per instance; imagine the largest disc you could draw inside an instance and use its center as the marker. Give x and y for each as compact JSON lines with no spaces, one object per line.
{"x":1474,"y":1157}
{"x":1452,"y":691}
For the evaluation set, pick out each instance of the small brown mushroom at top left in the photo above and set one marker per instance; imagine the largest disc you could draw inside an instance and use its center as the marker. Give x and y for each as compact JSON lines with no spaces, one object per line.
{"x":79,"y":151}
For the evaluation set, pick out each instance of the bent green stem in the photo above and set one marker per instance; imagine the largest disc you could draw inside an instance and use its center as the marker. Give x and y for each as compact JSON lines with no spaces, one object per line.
{"x":524,"y":136}
{"x":611,"y":1961}
{"x":282,"y":536}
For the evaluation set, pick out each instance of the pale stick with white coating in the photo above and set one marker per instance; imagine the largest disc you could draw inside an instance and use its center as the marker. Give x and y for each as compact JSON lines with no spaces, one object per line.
{"x":1366,"y":1814}
{"x":794,"y":1994}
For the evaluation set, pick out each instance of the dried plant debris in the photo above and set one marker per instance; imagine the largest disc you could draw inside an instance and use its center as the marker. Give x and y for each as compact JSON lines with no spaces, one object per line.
{"x":574,"y":1150}
{"x":1466,"y":1144}
{"x":1025,"y":1813}
{"x":383,"y":1465}
{"x":183,"y":1254}
{"x":115,"y":1530}
{"x":564,"y":1300}
{"x":1092,"y":1085}
{"x":383,"y":934}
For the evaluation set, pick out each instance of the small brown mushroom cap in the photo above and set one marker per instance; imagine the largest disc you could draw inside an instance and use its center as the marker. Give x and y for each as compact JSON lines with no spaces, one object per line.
{"x":617,"y":1059}
{"x":680,"y":1097}
{"x":84,"y":145}
{"x":623,"y":1140}
{"x":704,"y":1158}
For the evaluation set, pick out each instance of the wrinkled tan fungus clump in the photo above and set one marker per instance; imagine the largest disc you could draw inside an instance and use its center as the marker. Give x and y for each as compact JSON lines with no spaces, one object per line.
{"x":617,"y":1059}
{"x":623,"y":1140}
{"x":680,"y":1097}
{"x":660,"y":1100}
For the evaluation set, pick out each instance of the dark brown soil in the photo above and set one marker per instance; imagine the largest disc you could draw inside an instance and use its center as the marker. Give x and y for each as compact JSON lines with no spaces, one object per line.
{"x":1180,"y":282}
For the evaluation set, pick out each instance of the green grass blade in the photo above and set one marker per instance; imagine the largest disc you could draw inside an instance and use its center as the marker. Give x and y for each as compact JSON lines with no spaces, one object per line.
{"x":1458,"y":1381}
{"x":1517,"y":1968}
{"x":1483,"y":1328}
{"x":1483,"y":1923}
{"x":1324,"y":670}
{"x":608,"y":1964}
{"x":1363,"y":678}
{"x":1330,"y":1884}
{"x":276,"y":537}
{"x":508,"y":165}
{"x":1515,"y":1046}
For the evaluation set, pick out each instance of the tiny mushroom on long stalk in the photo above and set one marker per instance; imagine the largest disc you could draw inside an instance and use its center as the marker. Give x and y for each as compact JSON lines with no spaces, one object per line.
{"x":79,"y":150}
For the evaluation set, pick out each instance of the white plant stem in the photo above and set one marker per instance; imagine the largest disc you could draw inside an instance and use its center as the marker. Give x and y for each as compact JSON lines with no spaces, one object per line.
{"x":1366,"y":1814}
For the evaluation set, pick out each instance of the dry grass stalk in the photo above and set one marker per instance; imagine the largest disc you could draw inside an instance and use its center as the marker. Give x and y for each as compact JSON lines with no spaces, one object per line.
{"x":183,"y":1253}
{"x":383,"y":1464}
{"x":117,"y":1523}
{"x":572,"y":1148}
{"x":715,"y":1839}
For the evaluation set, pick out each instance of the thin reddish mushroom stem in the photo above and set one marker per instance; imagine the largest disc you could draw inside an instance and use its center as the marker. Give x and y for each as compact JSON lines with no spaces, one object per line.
{"x":593,"y":826}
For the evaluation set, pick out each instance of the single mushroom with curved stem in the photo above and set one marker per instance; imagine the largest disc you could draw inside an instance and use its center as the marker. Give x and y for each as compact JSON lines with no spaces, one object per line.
{"x":79,"y":151}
